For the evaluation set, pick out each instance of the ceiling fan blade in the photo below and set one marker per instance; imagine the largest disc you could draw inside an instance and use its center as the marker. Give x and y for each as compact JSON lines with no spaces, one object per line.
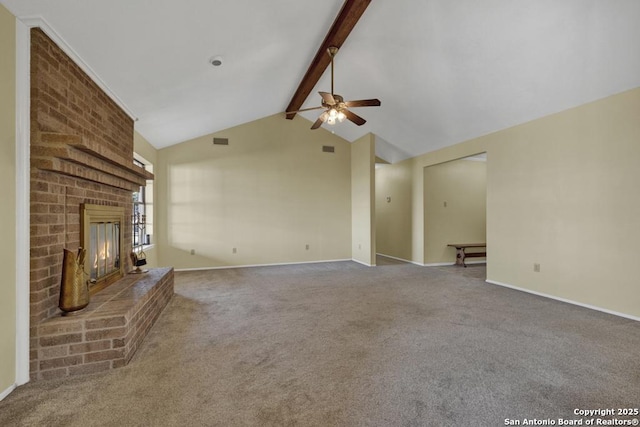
{"x":354,"y":117}
{"x":328,"y":98}
{"x":323,"y":118}
{"x":304,"y":109}
{"x":363,"y":103}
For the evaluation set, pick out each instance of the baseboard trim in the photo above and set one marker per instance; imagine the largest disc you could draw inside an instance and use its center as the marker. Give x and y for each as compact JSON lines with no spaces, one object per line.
{"x":8,"y":391}
{"x":226,"y":267}
{"x":362,"y":263}
{"x":395,"y":257}
{"x":568,"y":301}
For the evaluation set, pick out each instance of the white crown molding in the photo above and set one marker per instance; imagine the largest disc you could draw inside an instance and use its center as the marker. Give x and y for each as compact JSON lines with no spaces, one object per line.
{"x":568,"y":301}
{"x":39,"y":21}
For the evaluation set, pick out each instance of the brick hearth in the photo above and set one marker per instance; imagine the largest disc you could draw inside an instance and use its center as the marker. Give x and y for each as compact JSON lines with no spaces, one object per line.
{"x":107,"y":333}
{"x":81,"y":152}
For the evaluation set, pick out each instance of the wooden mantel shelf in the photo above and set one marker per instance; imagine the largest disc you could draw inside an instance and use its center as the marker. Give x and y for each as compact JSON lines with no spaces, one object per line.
{"x":76,"y":156}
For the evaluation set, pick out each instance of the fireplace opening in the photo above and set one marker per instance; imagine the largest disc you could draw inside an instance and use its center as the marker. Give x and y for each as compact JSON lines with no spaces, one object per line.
{"x":101,"y":234}
{"x":104,"y":249}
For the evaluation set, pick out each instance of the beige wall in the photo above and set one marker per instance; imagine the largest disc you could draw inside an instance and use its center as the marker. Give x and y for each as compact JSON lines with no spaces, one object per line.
{"x":393,"y":216}
{"x":455,"y":206}
{"x":269,"y":193}
{"x":561,"y":192}
{"x":142,"y":147}
{"x":363,"y":229}
{"x":8,"y":205}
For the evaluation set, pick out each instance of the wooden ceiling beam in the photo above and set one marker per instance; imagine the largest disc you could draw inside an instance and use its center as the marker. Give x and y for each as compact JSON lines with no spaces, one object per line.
{"x":349,"y":15}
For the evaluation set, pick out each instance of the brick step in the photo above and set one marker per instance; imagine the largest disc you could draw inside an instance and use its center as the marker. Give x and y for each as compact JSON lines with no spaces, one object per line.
{"x":107,"y":333}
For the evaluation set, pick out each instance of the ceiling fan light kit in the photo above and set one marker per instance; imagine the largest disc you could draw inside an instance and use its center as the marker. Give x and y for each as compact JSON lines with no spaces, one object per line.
{"x":336,"y":108}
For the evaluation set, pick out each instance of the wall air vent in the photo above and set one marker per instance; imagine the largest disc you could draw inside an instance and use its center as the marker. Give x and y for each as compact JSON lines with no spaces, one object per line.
{"x":220,"y":141}
{"x":328,"y":149}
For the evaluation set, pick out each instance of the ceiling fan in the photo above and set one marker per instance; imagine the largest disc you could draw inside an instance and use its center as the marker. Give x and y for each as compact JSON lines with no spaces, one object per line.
{"x":336,"y":108}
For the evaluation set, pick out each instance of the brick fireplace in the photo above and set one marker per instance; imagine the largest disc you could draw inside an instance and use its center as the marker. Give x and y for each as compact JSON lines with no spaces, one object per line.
{"x":81,"y":154}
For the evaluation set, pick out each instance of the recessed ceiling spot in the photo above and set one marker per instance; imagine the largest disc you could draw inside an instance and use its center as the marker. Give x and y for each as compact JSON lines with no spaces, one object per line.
{"x":216,"y":61}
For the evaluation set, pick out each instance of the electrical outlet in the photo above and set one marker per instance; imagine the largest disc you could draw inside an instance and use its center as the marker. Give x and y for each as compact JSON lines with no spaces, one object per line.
{"x":359,"y":246}
{"x":192,"y":252}
{"x":536,"y":267}
{"x":445,"y":204}
{"x":234,"y":250}
{"x":306,"y":247}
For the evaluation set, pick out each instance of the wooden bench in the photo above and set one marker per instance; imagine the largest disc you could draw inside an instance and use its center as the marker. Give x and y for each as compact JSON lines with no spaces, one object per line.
{"x":461,"y":254}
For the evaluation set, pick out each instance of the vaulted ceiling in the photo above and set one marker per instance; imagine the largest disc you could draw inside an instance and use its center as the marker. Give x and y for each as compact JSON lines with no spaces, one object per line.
{"x":445,"y":71}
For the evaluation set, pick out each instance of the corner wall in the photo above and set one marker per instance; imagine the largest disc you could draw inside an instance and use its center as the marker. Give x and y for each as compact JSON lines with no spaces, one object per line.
{"x":269,"y":193}
{"x":8,"y":205}
{"x":561,"y":192}
{"x":393,"y":215}
{"x":363,"y":220}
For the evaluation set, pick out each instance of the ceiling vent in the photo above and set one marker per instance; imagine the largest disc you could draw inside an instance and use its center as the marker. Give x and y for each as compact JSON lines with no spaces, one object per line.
{"x":220,"y":141}
{"x":328,"y":149}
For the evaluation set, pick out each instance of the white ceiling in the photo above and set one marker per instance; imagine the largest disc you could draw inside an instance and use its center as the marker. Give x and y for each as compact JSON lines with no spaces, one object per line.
{"x":445,"y":71}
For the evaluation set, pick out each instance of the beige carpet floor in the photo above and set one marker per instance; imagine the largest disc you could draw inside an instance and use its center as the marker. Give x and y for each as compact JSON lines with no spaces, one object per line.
{"x":340,"y":344}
